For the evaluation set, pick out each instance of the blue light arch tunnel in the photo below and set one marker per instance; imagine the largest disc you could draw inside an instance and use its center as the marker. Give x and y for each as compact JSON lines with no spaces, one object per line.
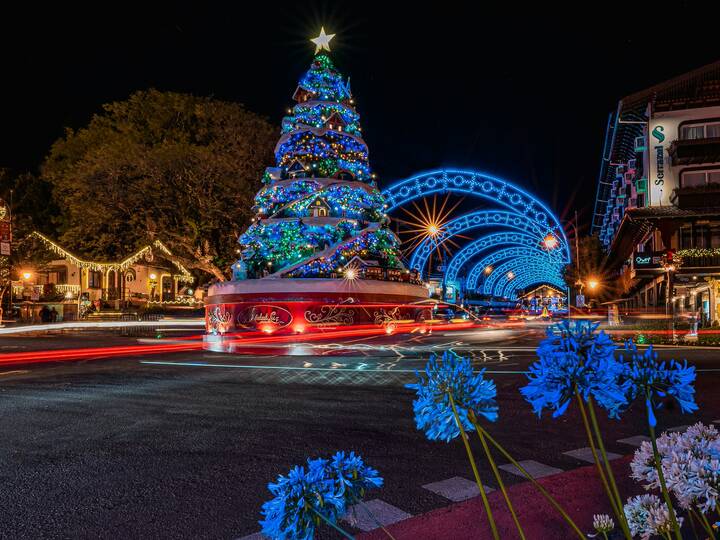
{"x":522,"y":265}
{"x":481,"y":219}
{"x":525,"y":238}
{"x":517,"y":271}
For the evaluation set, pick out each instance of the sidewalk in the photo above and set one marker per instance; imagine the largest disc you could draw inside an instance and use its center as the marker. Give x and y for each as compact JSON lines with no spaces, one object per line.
{"x":578,"y":491}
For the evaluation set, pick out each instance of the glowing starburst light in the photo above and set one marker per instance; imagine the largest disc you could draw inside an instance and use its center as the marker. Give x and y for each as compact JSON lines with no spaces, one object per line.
{"x":427,"y":222}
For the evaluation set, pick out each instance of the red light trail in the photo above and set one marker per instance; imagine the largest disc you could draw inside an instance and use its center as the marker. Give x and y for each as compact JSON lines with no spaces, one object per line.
{"x":190,"y":343}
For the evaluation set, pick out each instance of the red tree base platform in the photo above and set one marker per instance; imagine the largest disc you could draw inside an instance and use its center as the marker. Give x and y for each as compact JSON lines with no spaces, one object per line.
{"x":293,"y":306}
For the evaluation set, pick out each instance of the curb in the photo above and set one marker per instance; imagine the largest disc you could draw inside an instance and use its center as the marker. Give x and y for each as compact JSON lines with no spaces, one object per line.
{"x":579,"y":492}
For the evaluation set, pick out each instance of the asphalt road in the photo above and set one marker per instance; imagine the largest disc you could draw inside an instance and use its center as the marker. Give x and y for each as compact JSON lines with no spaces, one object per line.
{"x":183,"y":445}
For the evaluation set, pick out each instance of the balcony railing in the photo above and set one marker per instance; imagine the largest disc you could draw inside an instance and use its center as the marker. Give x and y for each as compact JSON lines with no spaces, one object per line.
{"x":695,"y":151}
{"x":707,"y":196}
{"x":698,"y":258}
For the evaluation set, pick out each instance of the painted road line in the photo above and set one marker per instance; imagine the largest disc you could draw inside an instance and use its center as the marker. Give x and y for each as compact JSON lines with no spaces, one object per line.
{"x":534,"y":468}
{"x":456,"y":488}
{"x":637,"y":440}
{"x":300,"y":368}
{"x":366,"y":516}
{"x":585,"y":454}
{"x":14,"y":372}
{"x":253,"y":536}
{"x":677,"y":428}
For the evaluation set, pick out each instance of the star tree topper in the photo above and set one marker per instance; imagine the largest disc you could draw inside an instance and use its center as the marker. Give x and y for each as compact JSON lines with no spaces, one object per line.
{"x":322,"y":42}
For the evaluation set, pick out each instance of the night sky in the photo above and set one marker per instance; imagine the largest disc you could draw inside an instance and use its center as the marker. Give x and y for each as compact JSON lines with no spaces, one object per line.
{"x":521,"y":95}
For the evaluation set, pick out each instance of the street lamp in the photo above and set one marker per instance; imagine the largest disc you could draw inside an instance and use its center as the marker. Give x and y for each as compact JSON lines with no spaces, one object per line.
{"x":593,"y":284}
{"x":27,"y":275}
{"x":550,"y":242}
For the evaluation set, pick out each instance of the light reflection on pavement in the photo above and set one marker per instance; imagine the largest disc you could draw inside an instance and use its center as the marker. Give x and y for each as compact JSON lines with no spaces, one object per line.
{"x":378,"y":360}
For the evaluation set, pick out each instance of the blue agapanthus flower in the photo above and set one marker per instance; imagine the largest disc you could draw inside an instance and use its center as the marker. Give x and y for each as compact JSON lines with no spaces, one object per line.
{"x":652,"y":380}
{"x":352,"y":477}
{"x":473,"y":394}
{"x":325,"y":487}
{"x":575,"y":358}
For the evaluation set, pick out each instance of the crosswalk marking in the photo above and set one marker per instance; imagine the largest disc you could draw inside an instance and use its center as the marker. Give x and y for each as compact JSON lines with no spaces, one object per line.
{"x":359,"y":515}
{"x":534,"y":468}
{"x":585,"y":454}
{"x":456,"y":488}
{"x":636,"y":440}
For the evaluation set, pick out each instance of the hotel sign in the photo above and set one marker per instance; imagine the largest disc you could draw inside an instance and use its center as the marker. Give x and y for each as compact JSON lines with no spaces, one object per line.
{"x":663,"y":129}
{"x":662,"y":181}
{"x":648,"y":260}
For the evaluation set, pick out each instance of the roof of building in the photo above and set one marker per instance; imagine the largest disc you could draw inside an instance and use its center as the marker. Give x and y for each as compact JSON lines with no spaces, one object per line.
{"x":545,"y":286}
{"x":697,"y":88}
{"x":124,"y":264}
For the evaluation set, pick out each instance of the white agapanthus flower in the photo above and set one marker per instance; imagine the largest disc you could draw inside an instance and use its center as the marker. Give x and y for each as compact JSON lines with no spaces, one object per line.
{"x":690,"y":464}
{"x":637,"y":513}
{"x":659,"y":519}
{"x":603,"y":523}
{"x":647,"y":515}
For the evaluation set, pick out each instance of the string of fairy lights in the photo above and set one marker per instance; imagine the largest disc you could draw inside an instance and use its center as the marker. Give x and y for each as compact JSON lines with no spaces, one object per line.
{"x":324,"y":155}
{"x":144,"y":253}
{"x":324,"y":82}
{"x":319,"y":115}
{"x":295,"y":199}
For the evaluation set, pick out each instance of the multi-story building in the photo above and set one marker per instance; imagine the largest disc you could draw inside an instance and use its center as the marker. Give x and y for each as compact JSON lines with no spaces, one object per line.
{"x":657,"y":209}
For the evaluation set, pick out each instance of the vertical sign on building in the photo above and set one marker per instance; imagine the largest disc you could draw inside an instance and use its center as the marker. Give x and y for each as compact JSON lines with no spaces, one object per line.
{"x":5,"y":229}
{"x":662,"y":181}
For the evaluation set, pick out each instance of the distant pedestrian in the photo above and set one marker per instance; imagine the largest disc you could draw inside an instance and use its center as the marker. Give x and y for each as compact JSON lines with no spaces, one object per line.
{"x":44,"y":314}
{"x":53,"y":314}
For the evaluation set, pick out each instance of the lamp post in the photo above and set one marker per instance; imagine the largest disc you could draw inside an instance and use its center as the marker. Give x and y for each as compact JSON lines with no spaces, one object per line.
{"x":25,"y":276}
{"x":153,"y":285}
{"x":551,"y":242}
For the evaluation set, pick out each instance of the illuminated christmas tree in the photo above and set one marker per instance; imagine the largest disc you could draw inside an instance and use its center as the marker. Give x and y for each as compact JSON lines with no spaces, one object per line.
{"x":319,"y":213}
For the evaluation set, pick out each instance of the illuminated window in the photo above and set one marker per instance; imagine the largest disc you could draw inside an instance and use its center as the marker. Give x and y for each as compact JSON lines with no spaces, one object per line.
{"x":700,"y":178}
{"x":705,"y":130}
{"x":94,"y":279}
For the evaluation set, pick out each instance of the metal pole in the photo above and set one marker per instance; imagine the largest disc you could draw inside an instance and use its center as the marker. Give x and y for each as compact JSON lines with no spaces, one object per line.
{"x":10,"y":268}
{"x":577,"y":246}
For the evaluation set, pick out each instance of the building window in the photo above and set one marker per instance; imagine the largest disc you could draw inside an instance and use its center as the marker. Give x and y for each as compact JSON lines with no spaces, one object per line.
{"x":685,"y":238}
{"x":702,"y":236}
{"x":700,"y":178}
{"x":715,"y":236}
{"x":706,"y":130}
{"x":94,"y":279}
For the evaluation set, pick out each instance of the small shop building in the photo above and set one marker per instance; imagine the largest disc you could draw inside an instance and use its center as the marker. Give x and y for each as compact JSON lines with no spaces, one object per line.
{"x":151,"y":275}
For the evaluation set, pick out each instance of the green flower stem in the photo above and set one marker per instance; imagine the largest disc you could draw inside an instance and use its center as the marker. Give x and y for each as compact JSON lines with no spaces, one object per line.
{"x":333,"y":525}
{"x":535,"y":483}
{"x":372,"y":516}
{"x":661,"y":476}
{"x":485,"y":501}
{"x":702,"y":518}
{"x":499,"y":480}
{"x":611,"y":477}
{"x":693,"y":516}
{"x":604,"y":535}
{"x":616,"y":506}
